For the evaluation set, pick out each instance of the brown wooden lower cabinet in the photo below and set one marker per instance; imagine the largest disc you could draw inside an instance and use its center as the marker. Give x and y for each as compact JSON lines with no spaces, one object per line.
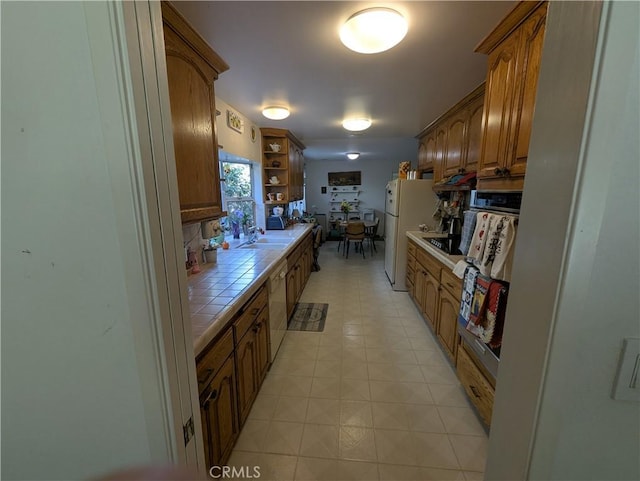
{"x":218,"y":410}
{"x":263,"y":345}
{"x":232,"y":368}
{"x":477,"y":386}
{"x":430,"y":299}
{"x":298,"y":271}
{"x":246,"y":362}
{"x":448,"y":308}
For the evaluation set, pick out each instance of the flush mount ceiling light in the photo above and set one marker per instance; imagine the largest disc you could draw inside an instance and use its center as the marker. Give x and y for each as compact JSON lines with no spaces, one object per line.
{"x":373,"y":30}
{"x":353,"y":155}
{"x":356,"y":125}
{"x":275,"y":113}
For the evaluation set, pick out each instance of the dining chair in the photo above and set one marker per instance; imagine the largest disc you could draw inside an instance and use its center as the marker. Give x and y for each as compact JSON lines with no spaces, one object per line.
{"x":370,"y":233}
{"x":354,"y":232}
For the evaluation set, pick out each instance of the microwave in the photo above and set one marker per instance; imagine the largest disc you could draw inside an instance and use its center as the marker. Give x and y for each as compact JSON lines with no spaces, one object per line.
{"x":496,"y":201}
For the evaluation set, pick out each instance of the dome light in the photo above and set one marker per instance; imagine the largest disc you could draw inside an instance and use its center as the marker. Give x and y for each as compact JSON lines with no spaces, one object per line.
{"x":275,"y":113}
{"x":353,"y":155}
{"x":373,"y":30}
{"x":356,"y":125}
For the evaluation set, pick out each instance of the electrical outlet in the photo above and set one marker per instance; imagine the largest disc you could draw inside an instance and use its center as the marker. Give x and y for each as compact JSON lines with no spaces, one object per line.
{"x":626,"y":386}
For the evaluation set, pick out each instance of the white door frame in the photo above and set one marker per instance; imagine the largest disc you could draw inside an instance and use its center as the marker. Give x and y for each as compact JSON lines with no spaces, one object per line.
{"x":171,"y":394}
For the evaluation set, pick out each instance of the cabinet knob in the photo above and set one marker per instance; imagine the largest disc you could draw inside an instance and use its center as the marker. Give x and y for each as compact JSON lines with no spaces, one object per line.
{"x":461,"y":171}
{"x":497,"y":171}
{"x":506,"y":172}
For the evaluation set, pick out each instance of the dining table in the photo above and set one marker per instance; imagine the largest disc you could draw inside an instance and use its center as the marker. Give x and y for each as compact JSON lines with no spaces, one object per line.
{"x":368,"y":226}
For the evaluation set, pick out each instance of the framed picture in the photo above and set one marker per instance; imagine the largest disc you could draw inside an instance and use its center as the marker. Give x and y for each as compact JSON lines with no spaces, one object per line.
{"x":344,"y":178}
{"x":235,"y":121}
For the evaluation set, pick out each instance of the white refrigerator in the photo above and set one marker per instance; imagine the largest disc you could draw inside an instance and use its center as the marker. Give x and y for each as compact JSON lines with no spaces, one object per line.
{"x":408,"y":204}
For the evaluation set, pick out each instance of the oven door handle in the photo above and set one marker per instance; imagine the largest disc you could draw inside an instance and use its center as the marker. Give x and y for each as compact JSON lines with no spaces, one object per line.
{"x":480,"y":346}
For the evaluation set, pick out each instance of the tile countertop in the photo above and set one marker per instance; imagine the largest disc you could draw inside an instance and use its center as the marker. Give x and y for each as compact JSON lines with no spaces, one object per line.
{"x":419,"y":238}
{"x":219,"y":290}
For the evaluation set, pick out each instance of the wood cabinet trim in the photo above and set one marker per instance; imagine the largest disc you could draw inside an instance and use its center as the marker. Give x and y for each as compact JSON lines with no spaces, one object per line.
{"x":464,"y":102}
{"x":178,"y":24}
{"x":507,"y":25}
{"x":211,"y":361}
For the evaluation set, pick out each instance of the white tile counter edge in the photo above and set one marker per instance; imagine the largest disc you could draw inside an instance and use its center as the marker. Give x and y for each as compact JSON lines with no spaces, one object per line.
{"x":446,"y":259}
{"x":294,"y":234}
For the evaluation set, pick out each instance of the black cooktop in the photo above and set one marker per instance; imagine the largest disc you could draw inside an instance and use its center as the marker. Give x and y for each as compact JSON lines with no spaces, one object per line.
{"x":441,"y":243}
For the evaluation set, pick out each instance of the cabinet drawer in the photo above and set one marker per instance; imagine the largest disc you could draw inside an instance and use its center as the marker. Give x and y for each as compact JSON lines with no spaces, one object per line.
{"x":250,"y":312}
{"x":411,"y":249}
{"x":213,"y":359}
{"x":451,"y":283}
{"x":480,"y":392}
{"x":429,"y":263}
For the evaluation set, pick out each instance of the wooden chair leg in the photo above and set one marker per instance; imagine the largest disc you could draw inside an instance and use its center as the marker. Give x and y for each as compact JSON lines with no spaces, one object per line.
{"x":347,"y":244}
{"x":362,"y":249}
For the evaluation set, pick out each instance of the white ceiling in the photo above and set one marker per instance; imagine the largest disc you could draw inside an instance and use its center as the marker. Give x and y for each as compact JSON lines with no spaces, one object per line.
{"x":289,"y":52}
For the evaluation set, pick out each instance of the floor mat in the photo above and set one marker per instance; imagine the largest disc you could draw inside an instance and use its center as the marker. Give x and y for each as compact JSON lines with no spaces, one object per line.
{"x":308,"y":317}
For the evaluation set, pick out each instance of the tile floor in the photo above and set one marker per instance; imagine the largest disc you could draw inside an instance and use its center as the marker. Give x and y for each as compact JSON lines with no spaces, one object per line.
{"x":371,"y":398}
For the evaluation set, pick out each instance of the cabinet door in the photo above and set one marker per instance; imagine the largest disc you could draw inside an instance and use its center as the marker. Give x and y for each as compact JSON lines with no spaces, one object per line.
{"x":439,"y":154}
{"x":418,"y":286}
{"x":219,"y":415}
{"x":474,"y":134}
{"x":192,"y":100}
{"x":448,"y":307}
{"x":498,"y":107}
{"x":422,"y":155}
{"x":453,"y":157}
{"x":263,"y":344}
{"x":531,"y":53}
{"x":431,"y":300}
{"x":476,"y":385}
{"x":291,"y":291}
{"x":246,"y":362}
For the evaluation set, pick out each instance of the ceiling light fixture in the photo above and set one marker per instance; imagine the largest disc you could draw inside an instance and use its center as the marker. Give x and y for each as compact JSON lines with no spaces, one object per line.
{"x":275,"y":113}
{"x":373,"y":30}
{"x":353,"y":155}
{"x":356,"y":125}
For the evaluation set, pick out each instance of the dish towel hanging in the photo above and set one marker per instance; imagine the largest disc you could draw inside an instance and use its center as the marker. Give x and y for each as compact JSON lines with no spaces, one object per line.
{"x":468,"y":227}
{"x":501,"y":267}
{"x":479,"y":238}
{"x":496,"y":224}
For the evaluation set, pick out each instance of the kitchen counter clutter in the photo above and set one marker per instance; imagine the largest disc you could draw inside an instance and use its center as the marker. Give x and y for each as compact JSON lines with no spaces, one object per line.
{"x":420,"y":237}
{"x":219,"y":290}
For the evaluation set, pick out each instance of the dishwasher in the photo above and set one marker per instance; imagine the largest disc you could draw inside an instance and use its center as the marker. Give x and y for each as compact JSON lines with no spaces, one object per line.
{"x":278,"y":306}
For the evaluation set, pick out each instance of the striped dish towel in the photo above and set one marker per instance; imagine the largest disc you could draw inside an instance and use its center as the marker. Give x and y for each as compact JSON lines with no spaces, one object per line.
{"x":468,"y":226}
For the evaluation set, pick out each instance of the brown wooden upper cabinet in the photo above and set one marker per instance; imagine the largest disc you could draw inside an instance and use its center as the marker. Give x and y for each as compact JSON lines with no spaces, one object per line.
{"x":192,"y":68}
{"x":451,"y":143}
{"x":514,"y":48}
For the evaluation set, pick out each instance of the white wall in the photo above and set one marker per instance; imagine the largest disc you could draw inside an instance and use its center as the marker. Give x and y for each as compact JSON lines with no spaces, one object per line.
{"x":74,"y":402}
{"x":374,"y":173}
{"x":576,"y":275}
{"x":236,"y":143}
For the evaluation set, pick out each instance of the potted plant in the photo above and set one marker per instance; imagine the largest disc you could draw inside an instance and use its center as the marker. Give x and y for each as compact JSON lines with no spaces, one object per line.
{"x":245,"y":224}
